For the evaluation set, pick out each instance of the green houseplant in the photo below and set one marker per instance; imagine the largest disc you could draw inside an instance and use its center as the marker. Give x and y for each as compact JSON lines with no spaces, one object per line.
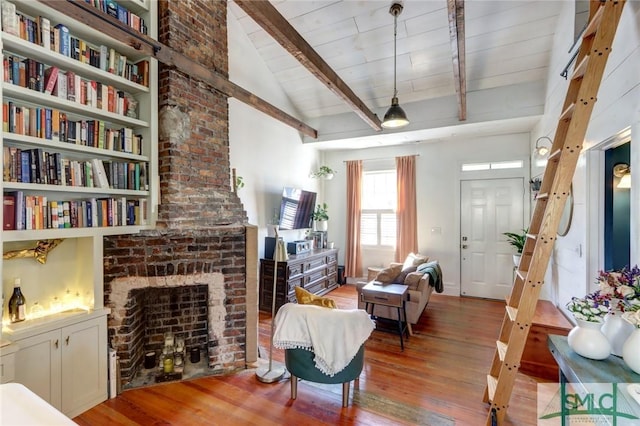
{"x":517,"y":240}
{"x":321,"y":212}
{"x":324,"y":172}
{"x":320,"y":217}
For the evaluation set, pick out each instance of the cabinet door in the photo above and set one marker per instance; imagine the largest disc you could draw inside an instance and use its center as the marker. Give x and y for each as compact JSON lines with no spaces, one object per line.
{"x":7,"y":368}
{"x":84,"y":365}
{"x":37,"y":365}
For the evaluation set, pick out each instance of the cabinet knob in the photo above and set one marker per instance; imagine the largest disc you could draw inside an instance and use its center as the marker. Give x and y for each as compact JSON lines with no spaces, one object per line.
{"x":56,"y":343}
{"x":67,"y":340}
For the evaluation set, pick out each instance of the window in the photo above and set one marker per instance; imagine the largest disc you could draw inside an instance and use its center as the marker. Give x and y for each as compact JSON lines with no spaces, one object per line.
{"x":378,"y":219}
{"x":474,"y":167}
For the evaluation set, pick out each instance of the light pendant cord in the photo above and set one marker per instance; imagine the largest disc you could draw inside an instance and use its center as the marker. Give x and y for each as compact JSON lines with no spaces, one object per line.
{"x":395,"y":37}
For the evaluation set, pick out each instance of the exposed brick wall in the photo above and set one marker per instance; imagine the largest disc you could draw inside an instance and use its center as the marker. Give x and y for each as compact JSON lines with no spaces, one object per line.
{"x":200,"y":237}
{"x":173,"y":258}
{"x":194,"y":144}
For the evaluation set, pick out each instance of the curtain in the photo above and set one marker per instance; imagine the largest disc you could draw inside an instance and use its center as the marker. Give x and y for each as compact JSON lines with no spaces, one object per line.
{"x":353,"y":255}
{"x":406,"y":215}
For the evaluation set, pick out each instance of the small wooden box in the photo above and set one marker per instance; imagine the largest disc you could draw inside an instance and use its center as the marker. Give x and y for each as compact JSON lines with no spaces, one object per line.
{"x":536,"y":359}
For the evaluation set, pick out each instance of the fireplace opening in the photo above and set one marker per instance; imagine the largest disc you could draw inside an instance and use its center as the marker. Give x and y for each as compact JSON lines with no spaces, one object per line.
{"x":156,"y":314}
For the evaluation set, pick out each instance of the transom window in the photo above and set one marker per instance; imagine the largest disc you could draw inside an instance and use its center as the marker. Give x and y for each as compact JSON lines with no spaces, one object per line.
{"x":378,"y":219}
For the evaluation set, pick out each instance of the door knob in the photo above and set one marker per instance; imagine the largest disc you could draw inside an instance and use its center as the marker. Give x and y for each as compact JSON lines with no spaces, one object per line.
{"x":464,"y":246}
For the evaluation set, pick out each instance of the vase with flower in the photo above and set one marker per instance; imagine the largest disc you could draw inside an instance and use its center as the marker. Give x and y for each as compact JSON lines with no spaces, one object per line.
{"x":586,"y":338}
{"x":631,"y":348}
{"x":622,"y":289}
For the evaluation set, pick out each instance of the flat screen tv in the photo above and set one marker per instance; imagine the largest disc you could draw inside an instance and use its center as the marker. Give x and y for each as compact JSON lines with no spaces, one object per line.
{"x":296,"y":209}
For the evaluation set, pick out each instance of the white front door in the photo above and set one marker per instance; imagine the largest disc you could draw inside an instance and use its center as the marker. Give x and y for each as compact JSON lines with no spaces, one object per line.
{"x":489,"y":207}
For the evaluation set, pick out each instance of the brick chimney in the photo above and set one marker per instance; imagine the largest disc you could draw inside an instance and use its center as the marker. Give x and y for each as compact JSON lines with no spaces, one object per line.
{"x":200,"y":237}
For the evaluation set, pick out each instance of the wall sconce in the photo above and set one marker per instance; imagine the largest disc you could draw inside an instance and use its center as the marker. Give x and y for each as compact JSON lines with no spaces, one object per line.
{"x":542,"y":149}
{"x":622,"y":171}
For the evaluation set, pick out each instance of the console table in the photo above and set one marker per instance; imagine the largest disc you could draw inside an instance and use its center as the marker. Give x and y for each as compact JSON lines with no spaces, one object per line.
{"x":584,"y":372}
{"x":315,"y":271}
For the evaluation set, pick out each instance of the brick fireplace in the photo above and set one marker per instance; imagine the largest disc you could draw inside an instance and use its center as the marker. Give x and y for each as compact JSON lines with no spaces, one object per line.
{"x":201,"y":238}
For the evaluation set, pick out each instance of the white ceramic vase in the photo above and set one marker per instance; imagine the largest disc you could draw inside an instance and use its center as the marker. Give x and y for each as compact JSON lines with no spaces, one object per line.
{"x":587,"y":340}
{"x":617,"y":331}
{"x":516,"y":259}
{"x":322,"y":225}
{"x":631,"y":351}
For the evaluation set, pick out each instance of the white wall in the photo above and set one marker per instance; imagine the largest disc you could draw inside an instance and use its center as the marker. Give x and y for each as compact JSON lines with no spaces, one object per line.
{"x":270,"y":155}
{"x":437,"y":173}
{"x":573,"y":267}
{"x":265,"y":152}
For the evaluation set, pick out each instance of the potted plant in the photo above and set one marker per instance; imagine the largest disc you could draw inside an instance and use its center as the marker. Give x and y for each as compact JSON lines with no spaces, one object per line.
{"x":320,"y":217}
{"x":324,"y":172}
{"x":517,"y":240}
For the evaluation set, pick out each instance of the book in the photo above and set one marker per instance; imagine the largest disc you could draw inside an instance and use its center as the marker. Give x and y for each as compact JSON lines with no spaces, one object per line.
{"x":65,"y":40}
{"x":10,"y":21}
{"x":9,"y":212}
{"x":45,"y":32}
{"x":104,"y":58}
{"x":71,"y":86}
{"x":50,"y":79}
{"x":60,"y":89}
{"x":99,"y":173}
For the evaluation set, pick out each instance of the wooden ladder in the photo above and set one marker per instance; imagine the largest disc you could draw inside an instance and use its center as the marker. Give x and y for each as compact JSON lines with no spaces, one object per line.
{"x":572,"y":127}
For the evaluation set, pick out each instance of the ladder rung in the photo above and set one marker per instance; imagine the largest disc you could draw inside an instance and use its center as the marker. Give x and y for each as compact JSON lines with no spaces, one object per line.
{"x":492,"y":385}
{"x":532,"y":236}
{"x":512,"y":312}
{"x":594,"y":23}
{"x":554,"y":154}
{"x":502,"y":349}
{"x":542,"y":196}
{"x":580,"y":68}
{"x":520,"y":274}
{"x":567,"y":114}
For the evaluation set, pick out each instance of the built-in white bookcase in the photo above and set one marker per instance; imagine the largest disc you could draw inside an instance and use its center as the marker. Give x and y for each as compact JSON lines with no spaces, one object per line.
{"x":69,"y":285}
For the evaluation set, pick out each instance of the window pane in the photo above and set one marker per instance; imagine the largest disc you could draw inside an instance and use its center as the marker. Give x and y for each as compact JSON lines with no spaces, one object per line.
{"x":471,"y":167}
{"x":388,"y":229}
{"x":379,"y":190}
{"x":378,"y":219}
{"x":369,"y":229}
{"x":507,"y":165}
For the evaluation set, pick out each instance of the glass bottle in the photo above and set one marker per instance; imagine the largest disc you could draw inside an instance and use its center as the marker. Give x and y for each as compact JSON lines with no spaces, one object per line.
{"x":17,"y":304}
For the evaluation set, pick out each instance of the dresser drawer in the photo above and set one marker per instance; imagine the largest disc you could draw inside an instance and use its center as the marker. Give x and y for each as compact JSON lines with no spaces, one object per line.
{"x":314,"y":263}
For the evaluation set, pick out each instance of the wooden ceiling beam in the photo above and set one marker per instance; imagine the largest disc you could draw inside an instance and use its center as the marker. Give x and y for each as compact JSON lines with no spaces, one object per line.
{"x":168,"y":56}
{"x":456,"y":34}
{"x":268,"y":17}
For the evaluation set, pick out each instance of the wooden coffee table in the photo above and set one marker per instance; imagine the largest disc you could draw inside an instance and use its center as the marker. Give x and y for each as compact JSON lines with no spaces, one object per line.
{"x":392,"y":295}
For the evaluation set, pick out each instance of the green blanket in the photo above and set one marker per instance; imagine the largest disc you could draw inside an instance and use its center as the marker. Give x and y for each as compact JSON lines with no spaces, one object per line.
{"x":434,"y":271}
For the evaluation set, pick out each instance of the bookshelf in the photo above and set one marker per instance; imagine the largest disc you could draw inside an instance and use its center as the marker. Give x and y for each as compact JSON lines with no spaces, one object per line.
{"x":95,"y":137}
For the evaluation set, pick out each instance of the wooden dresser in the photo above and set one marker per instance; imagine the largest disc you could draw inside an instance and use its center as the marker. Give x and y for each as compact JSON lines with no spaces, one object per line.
{"x":536,"y":358}
{"x":315,"y":271}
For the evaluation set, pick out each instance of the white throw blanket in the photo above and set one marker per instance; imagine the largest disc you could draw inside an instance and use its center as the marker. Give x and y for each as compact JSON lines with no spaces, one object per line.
{"x":334,"y":335}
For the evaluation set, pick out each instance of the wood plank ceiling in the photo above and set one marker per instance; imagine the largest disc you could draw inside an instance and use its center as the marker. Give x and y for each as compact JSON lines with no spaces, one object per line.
{"x":445,"y":48}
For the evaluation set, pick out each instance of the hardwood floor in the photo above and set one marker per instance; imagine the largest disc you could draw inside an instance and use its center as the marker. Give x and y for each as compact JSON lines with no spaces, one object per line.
{"x":442,"y":370}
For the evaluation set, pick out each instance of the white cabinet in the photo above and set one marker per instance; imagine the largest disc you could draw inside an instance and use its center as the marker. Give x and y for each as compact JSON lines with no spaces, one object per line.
{"x":67,"y":367}
{"x":7,"y":364}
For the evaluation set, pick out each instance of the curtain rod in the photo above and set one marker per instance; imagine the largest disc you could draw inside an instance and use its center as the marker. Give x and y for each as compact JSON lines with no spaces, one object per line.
{"x":382,"y":158}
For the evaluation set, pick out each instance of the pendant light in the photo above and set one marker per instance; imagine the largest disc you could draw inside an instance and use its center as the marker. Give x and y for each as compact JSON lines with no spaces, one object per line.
{"x":395,"y":116}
